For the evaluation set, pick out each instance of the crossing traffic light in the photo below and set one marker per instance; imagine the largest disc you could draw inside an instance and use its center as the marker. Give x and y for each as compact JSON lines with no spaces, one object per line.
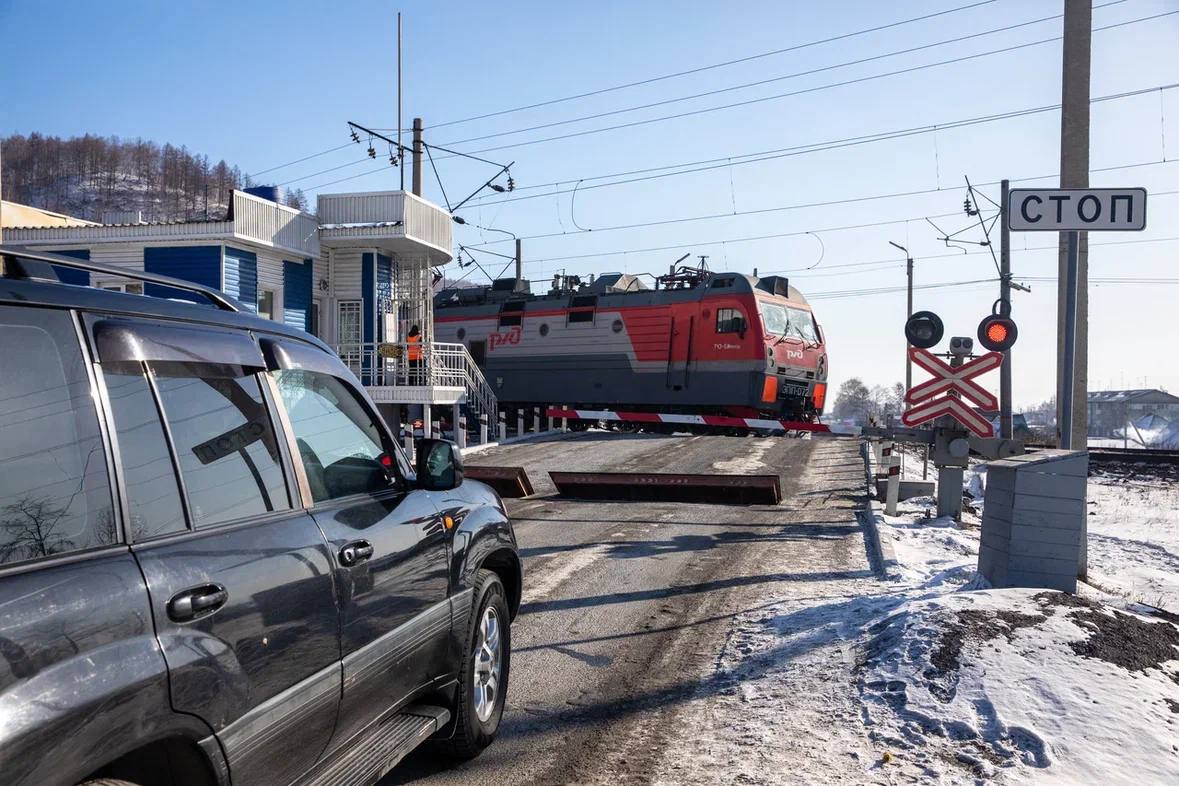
{"x":924,"y":329}
{"x":997,"y":333}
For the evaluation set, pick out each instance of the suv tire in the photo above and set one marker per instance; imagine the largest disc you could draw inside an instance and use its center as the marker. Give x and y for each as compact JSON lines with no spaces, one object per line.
{"x":485,"y":664}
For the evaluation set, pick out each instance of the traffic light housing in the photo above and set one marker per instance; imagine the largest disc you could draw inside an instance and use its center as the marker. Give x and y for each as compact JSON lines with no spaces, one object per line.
{"x":924,"y":329}
{"x":997,"y":333}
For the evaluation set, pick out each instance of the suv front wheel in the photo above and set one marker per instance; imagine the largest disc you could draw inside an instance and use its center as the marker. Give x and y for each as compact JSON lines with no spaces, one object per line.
{"x":484,"y":674}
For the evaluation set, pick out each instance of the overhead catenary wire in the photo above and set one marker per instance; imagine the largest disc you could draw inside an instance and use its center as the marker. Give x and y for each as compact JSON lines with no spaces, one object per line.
{"x":700,"y":69}
{"x":800,"y":206}
{"x":803,"y":91}
{"x":771,"y":80}
{"x":705,"y":165}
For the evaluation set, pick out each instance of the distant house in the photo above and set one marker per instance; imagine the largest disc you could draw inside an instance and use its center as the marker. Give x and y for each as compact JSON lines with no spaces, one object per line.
{"x":1111,"y":410}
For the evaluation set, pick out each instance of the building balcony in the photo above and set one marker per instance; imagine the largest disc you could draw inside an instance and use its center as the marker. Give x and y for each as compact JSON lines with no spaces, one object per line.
{"x":445,"y":373}
{"x":395,"y":222}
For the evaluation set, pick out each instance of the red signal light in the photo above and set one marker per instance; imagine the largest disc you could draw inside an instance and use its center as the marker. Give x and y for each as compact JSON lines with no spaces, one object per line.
{"x":997,"y":333}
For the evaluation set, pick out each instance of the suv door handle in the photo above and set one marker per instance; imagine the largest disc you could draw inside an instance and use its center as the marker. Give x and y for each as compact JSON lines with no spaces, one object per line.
{"x":197,"y":602}
{"x":355,"y":553}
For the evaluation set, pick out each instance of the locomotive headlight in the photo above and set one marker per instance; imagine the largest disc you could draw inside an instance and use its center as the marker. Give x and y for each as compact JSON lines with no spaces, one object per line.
{"x":770,"y":358}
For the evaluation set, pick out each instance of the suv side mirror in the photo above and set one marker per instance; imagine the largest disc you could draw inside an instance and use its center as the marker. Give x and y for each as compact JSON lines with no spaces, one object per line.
{"x":440,"y":465}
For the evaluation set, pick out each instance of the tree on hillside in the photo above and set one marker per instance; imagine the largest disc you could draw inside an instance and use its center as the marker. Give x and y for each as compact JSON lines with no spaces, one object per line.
{"x":853,"y":401}
{"x":88,"y":175}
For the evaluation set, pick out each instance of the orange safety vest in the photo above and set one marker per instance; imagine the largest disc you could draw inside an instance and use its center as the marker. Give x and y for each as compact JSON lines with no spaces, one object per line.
{"x":414,"y":350}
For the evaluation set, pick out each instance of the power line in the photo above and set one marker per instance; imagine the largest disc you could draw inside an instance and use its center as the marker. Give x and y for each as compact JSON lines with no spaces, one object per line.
{"x":813,"y":147}
{"x":800,"y":206}
{"x":817,"y":88}
{"x":700,"y":69}
{"x":771,"y":80}
{"x":299,"y":160}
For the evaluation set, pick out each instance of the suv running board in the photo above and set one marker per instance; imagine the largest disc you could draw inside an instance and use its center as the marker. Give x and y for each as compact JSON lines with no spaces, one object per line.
{"x":366,"y":760}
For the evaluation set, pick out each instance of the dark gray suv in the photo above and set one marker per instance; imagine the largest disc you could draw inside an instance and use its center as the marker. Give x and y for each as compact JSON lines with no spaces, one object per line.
{"x":216,"y":565}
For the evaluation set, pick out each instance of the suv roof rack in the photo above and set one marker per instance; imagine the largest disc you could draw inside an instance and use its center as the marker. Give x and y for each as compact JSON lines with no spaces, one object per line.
{"x":14,"y":263}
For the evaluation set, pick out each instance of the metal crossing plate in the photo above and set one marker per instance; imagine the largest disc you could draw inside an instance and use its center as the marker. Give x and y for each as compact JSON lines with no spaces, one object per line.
{"x":670,"y":487}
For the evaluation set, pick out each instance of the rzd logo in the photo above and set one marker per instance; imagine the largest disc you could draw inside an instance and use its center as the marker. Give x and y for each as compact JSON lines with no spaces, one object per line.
{"x":511,"y":336}
{"x":794,"y":354}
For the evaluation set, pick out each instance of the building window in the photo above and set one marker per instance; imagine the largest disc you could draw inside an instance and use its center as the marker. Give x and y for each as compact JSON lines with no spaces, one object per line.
{"x":266,"y":303}
{"x":348,"y":327}
{"x":130,"y":287}
{"x":313,"y":318}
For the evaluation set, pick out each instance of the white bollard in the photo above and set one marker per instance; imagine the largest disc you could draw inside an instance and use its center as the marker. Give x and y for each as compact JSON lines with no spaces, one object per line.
{"x":460,"y":433}
{"x":483,"y":428}
{"x":409,"y":443}
{"x":519,"y":422}
{"x":503,"y":426}
{"x":894,"y":486}
{"x":564,"y":421}
{"x":436,"y":430}
{"x":536,"y":419}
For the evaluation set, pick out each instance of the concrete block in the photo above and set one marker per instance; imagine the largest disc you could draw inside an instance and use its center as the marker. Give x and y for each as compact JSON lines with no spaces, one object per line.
{"x":1054,"y":581}
{"x":1042,"y":485}
{"x":907,"y":490}
{"x":1034,"y":518}
{"x":1064,"y":536}
{"x":1066,"y":552}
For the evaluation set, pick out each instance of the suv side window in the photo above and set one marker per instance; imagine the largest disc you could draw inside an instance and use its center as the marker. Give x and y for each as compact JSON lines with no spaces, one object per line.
{"x":340,"y":444}
{"x":153,"y":497}
{"x":54,"y":490}
{"x":224,"y":441}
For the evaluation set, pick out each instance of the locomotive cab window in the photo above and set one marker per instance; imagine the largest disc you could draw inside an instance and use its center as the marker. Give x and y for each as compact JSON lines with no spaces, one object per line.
{"x":729,"y":320}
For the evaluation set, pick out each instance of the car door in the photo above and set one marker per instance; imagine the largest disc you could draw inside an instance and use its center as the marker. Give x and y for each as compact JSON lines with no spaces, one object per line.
{"x":240,"y":580}
{"x":387,"y":538}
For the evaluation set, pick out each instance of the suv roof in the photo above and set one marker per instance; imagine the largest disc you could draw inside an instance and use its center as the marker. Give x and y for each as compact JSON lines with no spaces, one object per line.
{"x":27,"y":278}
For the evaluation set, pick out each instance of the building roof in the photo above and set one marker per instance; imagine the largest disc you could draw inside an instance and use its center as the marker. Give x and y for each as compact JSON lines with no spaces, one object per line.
{"x":14,"y":215}
{"x":1119,"y":396}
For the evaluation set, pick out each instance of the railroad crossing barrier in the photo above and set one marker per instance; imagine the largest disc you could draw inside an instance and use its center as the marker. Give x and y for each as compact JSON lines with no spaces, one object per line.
{"x":482,"y":428}
{"x":669,"y":487}
{"x":721,"y":421}
{"x":460,"y":434}
{"x":509,"y":482}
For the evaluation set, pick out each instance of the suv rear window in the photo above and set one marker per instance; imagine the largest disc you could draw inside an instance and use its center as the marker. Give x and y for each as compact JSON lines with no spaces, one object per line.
{"x":224,"y":441}
{"x":54,"y":489}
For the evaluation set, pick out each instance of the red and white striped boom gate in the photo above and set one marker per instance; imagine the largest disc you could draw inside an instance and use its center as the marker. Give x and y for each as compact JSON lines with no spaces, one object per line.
{"x":722,"y":421}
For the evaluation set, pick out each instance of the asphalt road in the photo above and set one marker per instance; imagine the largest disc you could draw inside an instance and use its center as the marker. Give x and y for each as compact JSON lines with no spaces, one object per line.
{"x":628,"y":605}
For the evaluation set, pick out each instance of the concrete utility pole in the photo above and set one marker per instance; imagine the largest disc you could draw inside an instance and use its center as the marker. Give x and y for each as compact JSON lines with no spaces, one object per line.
{"x":1005,"y":426}
{"x":417,"y":156}
{"x":908,"y":312}
{"x":519,"y":260}
{"x":1074,"y":173}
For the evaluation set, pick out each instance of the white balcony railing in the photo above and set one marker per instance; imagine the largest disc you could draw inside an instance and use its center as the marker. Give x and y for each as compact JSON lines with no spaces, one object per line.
{"x":384,"y":215}
{"x":263,"y":221}
{"x":438,"y":364}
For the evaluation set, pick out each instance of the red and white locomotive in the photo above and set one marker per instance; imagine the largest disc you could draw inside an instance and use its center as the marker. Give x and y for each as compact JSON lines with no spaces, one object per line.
{"x":698,"y":343}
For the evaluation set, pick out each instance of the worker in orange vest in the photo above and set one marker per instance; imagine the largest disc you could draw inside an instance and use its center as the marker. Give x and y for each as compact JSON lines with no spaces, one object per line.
{"x":414,"y":353}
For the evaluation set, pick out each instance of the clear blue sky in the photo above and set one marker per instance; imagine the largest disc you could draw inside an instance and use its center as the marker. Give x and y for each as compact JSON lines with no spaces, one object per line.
{"x":263,"y":83}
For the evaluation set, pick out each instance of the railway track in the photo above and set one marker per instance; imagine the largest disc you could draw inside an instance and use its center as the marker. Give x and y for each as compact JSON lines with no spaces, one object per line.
{"x":1104,"y":456}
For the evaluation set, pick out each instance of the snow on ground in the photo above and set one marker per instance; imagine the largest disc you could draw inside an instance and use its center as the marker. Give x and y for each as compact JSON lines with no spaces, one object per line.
{"x":1134,"y":537}
{"x":968,"y":684}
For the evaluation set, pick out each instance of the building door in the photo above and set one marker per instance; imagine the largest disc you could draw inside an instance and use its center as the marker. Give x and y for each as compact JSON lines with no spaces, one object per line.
{"x":349,"y":335}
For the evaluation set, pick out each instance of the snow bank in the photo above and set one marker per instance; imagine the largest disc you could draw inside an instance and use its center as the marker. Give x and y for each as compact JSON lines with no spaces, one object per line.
{"x":990,"y":685}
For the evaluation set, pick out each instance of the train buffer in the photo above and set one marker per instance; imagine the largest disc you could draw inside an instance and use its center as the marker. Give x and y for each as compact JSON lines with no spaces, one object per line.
{"x":669,"y":487}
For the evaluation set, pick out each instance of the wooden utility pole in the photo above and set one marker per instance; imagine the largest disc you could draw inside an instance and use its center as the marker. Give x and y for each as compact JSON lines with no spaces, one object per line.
{"x":417,"y":156}
{"x":1074,"y":173}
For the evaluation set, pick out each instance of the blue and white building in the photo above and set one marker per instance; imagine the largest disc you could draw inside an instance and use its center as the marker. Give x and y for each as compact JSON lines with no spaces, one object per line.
{"x":357,"y":274}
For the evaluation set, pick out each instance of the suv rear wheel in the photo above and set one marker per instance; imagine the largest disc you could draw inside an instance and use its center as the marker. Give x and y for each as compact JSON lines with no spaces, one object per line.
{"x":483,"y":677}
